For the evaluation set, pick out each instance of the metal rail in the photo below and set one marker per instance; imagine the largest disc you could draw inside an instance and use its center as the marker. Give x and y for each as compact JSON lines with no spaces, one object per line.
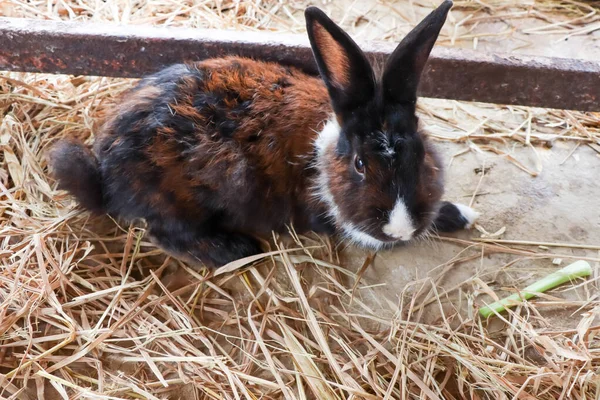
{"x":136,"y":50}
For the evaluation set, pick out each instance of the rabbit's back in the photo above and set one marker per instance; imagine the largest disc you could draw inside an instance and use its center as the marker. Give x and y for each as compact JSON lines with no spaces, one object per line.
{"x":227,"y":139}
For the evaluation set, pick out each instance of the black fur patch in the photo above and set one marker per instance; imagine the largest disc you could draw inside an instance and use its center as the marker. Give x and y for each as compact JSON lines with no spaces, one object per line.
{"x":450,"y":219}
{"x":199,"y":244}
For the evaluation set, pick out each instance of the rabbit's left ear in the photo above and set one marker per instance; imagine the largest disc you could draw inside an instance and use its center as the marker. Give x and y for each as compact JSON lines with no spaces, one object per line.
{"x":343,"y":66}
{"x":405,"y":65}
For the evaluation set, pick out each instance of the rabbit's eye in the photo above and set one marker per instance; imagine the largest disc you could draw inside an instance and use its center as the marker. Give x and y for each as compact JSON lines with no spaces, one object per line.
{"x":359,"y":165}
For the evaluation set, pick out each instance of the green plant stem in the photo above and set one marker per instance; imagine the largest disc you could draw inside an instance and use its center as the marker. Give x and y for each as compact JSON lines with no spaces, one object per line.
{"x":576,"y":270}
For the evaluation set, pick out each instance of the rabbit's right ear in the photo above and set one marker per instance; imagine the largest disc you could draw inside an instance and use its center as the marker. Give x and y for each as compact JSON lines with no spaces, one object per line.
{"x":343,"y":66}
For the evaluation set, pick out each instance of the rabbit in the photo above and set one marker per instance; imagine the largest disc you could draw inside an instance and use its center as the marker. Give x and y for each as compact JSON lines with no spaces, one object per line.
{"x":217,"y":153}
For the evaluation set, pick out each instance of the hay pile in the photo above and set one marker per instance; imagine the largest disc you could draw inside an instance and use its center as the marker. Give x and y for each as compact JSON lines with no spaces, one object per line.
{"x":89,"y":309}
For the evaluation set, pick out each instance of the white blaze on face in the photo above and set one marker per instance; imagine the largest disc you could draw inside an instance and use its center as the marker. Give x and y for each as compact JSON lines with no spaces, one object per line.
{"x":400,"y":225}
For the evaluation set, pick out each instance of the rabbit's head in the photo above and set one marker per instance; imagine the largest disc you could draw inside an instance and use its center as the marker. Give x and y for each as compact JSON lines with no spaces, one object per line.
{"x":380,"y":179}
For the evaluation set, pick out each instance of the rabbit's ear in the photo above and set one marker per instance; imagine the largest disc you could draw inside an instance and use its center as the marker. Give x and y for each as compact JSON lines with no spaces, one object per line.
{"x":404,"y":66}
{"x":343,"y":67}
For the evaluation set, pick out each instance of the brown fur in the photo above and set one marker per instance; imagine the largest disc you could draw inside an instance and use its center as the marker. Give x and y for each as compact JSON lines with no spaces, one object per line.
{"x":276,"y":112}
{"x":333,"y":55}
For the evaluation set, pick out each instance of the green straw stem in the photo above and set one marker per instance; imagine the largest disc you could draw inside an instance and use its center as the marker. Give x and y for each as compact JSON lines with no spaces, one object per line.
{"x":572,"y":271}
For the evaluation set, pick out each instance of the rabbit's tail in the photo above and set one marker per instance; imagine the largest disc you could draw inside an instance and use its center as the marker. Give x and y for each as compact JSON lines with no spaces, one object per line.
{"x":76,"y":169}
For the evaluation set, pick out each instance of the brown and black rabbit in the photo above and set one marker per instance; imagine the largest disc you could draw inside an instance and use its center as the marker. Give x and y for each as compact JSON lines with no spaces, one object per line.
{"x":216,"y":153}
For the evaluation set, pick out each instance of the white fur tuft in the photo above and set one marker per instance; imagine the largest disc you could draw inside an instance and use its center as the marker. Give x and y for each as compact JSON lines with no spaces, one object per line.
{"x":361,"y":238}
{"x":400,"y":225}
{"x":328,"y":136}
{"x":470,"y":215}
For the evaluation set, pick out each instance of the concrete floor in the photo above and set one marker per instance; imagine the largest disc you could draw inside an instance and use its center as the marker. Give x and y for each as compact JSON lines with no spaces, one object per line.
{"x":561,"y":205}
{"x":515,"y":34}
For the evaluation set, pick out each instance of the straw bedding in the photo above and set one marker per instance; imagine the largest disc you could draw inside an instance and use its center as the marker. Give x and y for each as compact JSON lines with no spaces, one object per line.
{"x":89,"y":309}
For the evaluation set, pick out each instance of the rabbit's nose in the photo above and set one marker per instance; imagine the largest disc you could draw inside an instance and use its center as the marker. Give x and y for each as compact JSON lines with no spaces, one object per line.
{"x":400,"y":225}
{"x":399,"y":235}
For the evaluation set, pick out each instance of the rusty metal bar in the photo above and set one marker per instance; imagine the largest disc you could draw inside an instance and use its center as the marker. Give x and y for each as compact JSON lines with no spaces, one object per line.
{"x":136,"y":50}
